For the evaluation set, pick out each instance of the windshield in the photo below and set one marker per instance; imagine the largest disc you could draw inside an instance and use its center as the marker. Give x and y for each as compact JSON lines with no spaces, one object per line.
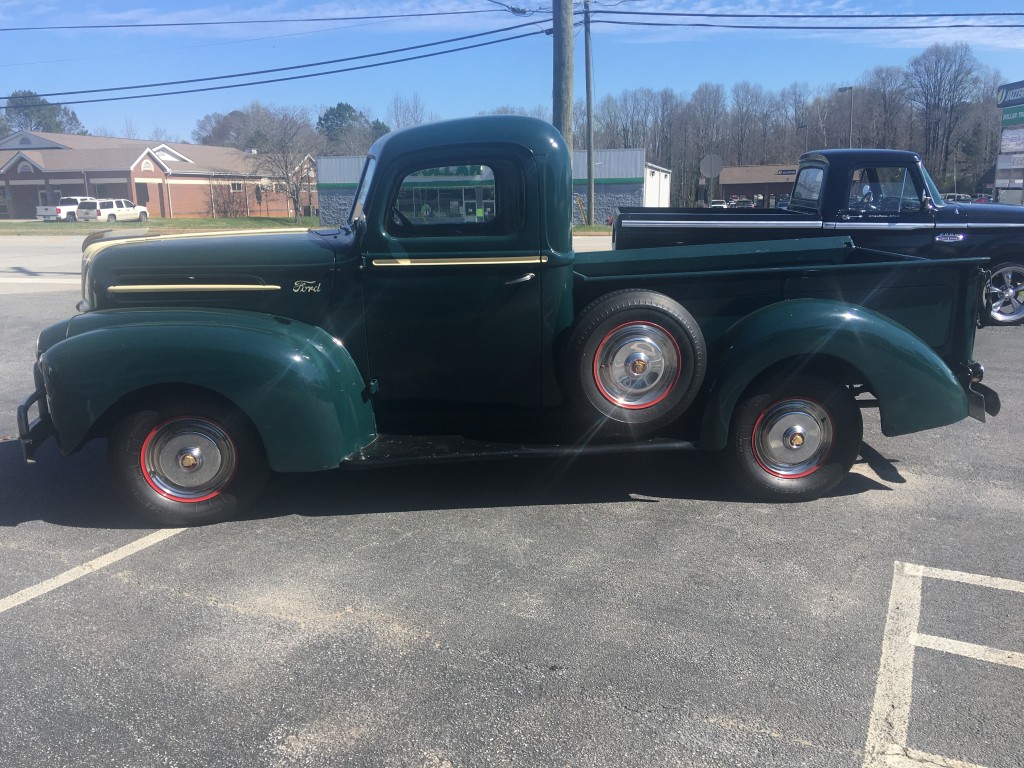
{"x":362,"y":190}
{"x":933,"y":191}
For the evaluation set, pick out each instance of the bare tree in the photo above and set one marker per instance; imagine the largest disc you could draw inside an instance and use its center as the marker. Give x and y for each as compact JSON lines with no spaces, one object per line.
{"x":941,"y":82}
{"x":884,"y":114}
{"x":285,"y":143}
{"x":707,"y":113}
{"x":796,"y":103}
{"x":406,"y":111}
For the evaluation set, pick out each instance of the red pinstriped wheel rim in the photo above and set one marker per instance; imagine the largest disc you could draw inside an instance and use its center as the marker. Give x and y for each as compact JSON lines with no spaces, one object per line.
{"x":188,"y":459}
{"x":637,"y":365}
{"x":793,"y":438}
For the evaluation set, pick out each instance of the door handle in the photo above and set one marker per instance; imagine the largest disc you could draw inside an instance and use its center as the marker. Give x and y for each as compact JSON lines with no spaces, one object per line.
{"x":522,"y":279}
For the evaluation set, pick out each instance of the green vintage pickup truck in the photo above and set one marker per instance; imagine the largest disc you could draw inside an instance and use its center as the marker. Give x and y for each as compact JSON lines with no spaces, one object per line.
{"x":450,"y":319}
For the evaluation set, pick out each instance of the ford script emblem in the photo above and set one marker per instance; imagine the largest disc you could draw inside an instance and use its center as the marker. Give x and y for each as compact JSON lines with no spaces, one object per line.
{"x":306,"y":286}
{"x":950,"y":237}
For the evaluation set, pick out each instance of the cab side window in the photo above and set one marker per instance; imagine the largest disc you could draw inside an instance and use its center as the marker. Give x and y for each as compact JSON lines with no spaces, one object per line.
{"x":888,"y":189}
{"x":462,"y":200}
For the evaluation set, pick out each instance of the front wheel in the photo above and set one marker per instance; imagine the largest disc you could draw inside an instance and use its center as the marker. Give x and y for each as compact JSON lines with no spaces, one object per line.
{"x":1005,"y":294}
{"x":143,"y":216}
{"x":188,"y":462}
{"x":794,"y":438}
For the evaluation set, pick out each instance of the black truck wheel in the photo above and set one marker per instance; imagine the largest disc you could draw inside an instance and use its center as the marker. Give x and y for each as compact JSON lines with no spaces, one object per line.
{"x":635,"y":361}
{"x":1005,"y":294}
{"x":188,"y":462}
{"x":794,"y":438}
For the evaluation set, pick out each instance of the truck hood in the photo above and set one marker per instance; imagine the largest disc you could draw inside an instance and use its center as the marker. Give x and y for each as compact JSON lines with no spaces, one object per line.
{"x":983,"y":213}
{"x":280,"y":272}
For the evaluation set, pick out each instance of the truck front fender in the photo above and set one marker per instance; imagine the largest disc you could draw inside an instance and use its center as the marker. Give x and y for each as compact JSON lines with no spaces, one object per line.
{"x":297,"y":384}
{"x":915,"y":389}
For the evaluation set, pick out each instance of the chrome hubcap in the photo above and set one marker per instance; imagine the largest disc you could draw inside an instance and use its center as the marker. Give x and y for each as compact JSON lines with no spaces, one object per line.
{"x":1006,"y":294}
{"x":793,"y":438}
{"x":188,"y":459}
{"x":636,"y":365}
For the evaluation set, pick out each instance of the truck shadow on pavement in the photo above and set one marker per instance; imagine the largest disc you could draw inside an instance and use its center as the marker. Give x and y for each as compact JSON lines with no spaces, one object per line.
{"x":78,"y":491}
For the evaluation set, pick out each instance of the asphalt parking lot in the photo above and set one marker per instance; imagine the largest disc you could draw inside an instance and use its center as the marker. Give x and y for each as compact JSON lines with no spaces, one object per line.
{"x":629,"y":611}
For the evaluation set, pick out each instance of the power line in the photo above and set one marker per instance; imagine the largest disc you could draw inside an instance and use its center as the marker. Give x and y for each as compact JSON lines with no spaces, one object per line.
{"x":795,"y":28}
{"x":166,"y":24}
{"x":717,"y":15}
{"x":292,"y":68}
{"x":285,"y":79}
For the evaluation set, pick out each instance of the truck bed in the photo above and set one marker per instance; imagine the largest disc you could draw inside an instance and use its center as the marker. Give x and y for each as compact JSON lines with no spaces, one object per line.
{"x":721,"y":283}
{"x":655,"y":227}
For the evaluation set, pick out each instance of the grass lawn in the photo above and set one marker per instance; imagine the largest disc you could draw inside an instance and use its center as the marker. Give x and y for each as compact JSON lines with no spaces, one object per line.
{"x":154,"y":226}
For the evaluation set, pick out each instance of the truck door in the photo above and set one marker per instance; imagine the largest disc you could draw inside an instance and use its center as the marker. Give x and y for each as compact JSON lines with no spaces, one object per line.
{"x":452,"y":274}
{"x":887,"y":210}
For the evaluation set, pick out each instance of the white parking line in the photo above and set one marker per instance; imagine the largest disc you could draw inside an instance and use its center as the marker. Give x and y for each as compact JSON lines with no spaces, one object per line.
{"x":30,"y":593}
{"x":40,"y":281}
{"x":886,"y":745}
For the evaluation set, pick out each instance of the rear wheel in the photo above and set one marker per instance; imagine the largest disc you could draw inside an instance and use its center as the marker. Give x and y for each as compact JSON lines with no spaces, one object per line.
{"x":794,"y":438}
{"x":188,"y":462}
{"x":635,"y":361}
{"x":1005,"y":294}
{"x":72,"y":217}
{"x":111,"y":217}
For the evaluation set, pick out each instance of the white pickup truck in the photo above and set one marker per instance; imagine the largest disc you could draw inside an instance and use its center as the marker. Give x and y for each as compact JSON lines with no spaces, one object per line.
{"x":66,"y":209}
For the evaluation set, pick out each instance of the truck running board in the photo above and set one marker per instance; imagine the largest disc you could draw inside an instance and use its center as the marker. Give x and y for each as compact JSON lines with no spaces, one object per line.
{"x":422,"y":449}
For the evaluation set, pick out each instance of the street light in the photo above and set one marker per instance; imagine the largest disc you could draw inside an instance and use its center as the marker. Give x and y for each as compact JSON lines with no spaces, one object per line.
{"x":844,"y":89}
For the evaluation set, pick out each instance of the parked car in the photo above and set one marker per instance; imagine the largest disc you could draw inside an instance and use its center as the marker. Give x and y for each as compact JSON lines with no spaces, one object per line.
{"x":957,"y":197}
{"x":984,"y":199}
{"x":719,"y":204}
{"x":743,"y":203}
{"x":66,"y":209}
{"x":111,"y":210}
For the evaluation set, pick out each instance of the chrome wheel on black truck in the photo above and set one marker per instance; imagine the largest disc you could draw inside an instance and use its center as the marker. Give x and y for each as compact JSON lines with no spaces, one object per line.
{"x":1005,"y":294}
{"x":188,"y":462}
{"x":794,"y":438}
{"x":635,"y":361}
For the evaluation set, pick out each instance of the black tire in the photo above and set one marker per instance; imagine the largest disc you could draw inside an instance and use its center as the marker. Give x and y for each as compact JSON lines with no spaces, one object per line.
{"x":188,"y":462}
{"x":1004,"y":294}
{"x":111,"y":217}
{"x":71,"y":217}
{"x":794,"y":437}
{"x":634,"y":362}
{"x":142,"y":217}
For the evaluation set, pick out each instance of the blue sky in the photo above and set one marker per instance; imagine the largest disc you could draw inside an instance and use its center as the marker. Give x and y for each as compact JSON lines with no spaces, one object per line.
{"x":516,"y":72}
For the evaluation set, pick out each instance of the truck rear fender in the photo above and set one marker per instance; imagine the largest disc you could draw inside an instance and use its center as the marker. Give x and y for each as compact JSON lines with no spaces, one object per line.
{"x":297,"y":384}
{"x":914,"y":388}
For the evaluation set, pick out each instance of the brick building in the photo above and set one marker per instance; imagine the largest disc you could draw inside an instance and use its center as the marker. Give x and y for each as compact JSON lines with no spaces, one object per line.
{"x":173,"y":180}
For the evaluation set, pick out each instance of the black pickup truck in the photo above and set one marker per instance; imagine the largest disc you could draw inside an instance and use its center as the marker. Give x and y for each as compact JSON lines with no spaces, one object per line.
{"x":883,"y":199}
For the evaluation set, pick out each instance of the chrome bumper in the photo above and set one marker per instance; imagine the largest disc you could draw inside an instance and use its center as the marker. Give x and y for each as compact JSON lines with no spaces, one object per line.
{"x":32,"y":434}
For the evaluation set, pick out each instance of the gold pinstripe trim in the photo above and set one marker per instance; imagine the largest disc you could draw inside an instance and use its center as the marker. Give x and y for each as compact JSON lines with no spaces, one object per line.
{"x":191,"y":288}
{"x":455,"y":261}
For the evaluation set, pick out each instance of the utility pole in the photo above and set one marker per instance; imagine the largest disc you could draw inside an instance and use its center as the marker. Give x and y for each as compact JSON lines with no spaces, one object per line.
{"x":562,"y":69}
{"x":590,"y":112}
